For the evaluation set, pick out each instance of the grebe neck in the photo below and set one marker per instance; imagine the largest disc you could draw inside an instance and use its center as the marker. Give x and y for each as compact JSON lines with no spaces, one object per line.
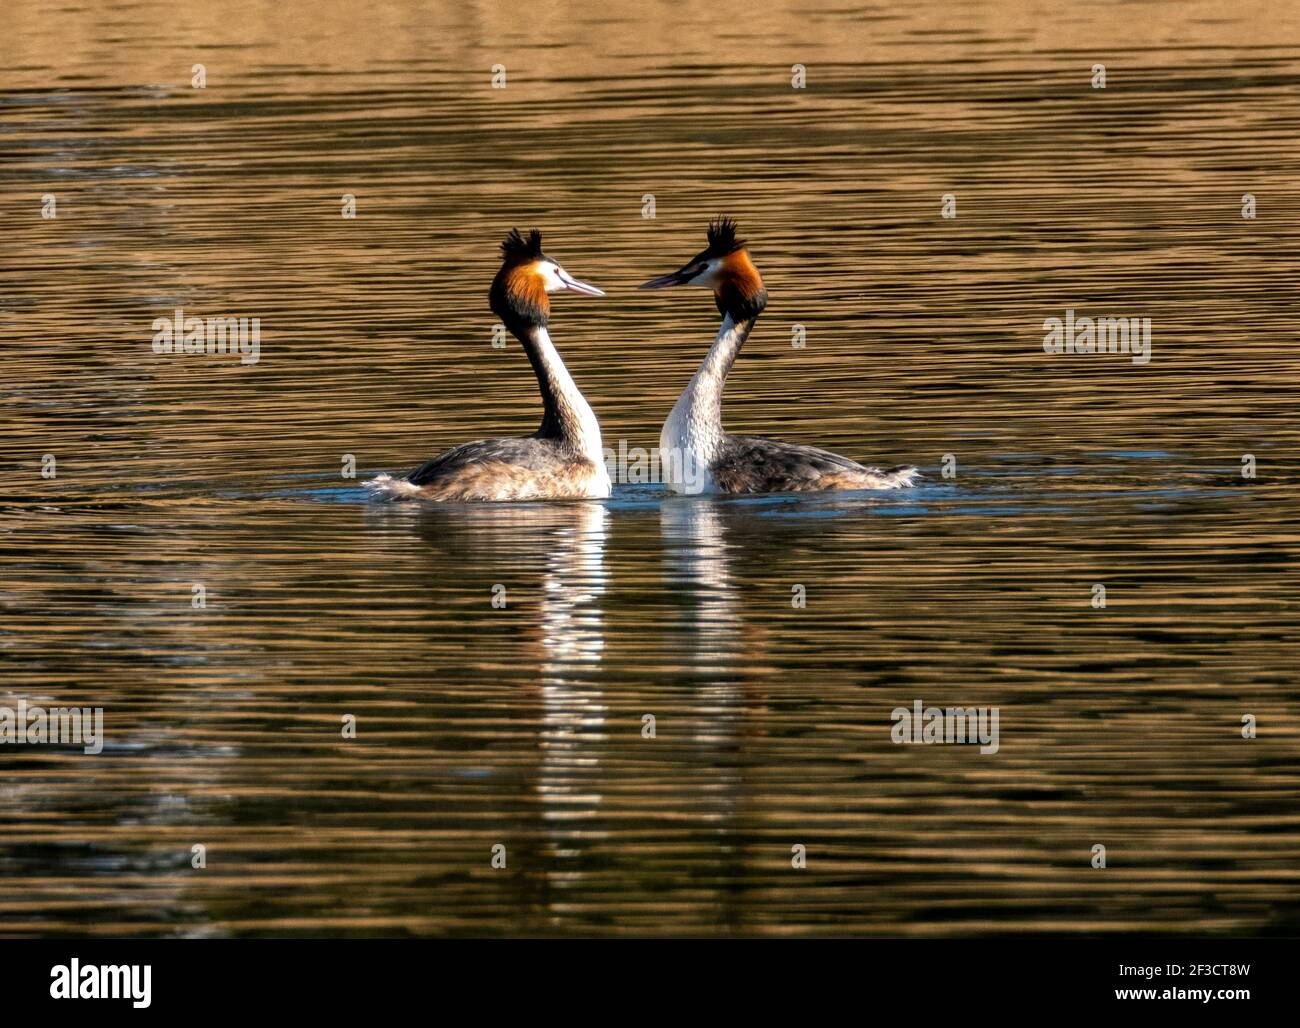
{"x":691,"y":439}
{"x":566,"y":415}
{"x":696,"y":420}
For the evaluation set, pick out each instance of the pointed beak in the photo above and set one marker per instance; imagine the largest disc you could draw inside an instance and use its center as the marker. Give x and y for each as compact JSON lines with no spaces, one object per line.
{"x":574,"y":286}
{"x":677,"y":278}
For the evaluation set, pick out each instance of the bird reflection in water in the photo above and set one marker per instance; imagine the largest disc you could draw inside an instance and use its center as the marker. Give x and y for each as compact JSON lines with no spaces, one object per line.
{"x":551,"y":560}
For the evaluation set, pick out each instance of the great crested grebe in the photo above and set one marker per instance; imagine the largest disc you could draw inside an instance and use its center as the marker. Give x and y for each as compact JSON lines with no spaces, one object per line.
{"x":696,"y":454}
{"x":563,"y":459}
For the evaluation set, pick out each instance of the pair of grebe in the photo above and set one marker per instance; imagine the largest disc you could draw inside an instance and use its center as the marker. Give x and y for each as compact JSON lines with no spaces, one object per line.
{"x":564,"y":458}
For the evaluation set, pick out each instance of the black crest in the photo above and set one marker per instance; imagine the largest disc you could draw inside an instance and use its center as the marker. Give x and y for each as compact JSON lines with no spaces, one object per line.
{"x":516,"y":300}
{"x":516,"y":247}
{"x":722,"y":237}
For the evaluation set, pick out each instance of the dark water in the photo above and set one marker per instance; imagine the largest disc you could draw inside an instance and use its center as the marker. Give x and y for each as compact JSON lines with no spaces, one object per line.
{"x":522,"y":726}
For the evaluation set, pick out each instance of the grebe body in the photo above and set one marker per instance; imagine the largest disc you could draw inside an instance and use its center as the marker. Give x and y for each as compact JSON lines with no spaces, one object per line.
{"x":697,"y":455}
{"x":564,"y":458}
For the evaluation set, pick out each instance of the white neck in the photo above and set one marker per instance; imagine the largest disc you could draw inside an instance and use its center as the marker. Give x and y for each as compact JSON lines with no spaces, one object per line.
{"x":693,"y":431}
{"x":573,"y":417}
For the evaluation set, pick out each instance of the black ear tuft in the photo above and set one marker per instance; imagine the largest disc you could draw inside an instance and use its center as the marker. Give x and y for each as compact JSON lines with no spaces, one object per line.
{"x":722,"y":237}
{"x":516,"y":247}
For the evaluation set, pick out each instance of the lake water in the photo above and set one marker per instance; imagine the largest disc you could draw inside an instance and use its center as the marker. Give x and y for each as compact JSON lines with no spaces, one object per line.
{"x":522,"y":725}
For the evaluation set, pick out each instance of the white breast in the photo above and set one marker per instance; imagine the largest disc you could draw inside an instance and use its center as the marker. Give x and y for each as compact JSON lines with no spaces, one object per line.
{"x":692,"y":436}
{"x":686,"y":447}
{"x":600,"y":486}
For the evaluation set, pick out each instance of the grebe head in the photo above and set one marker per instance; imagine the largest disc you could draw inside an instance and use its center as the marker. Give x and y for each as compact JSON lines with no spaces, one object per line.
{"x":519,"y":292}
{"x":723,"y":266}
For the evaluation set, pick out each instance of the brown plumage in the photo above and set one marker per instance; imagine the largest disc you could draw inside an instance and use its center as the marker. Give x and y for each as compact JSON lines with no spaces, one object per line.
{"x":518,"y":294}
{"x":564,"y":478}
{"x":752,"y":464}
{"x":526,"y":289}
{"x":738,"y":289}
